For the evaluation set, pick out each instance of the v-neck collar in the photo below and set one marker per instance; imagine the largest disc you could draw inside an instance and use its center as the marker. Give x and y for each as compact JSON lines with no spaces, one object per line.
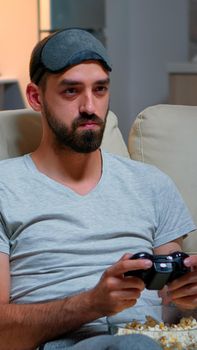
{"x":58,"y":185}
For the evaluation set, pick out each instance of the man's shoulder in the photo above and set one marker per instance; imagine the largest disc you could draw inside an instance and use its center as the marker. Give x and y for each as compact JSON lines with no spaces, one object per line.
{"x":131,"y":164}
{"x":9,"y":162}
{"x":136,"y":170}
{"x":10,"y":166}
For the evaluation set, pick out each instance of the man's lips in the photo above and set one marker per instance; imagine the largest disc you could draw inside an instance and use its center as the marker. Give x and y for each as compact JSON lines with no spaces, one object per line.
{"x":88,"y":124}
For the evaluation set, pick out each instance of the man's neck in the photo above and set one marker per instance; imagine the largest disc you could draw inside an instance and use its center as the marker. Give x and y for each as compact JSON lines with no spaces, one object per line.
{"x":79,"y":171}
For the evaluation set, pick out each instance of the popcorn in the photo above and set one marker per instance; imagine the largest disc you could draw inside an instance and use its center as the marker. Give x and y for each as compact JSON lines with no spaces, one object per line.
{"x":181,"y":336}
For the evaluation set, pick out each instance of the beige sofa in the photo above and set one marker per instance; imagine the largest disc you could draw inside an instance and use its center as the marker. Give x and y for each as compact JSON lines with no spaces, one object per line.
{"x":163,"y":135}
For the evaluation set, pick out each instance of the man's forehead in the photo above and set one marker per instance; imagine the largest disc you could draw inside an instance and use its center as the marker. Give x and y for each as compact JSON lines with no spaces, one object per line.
{"x":82,"y":72}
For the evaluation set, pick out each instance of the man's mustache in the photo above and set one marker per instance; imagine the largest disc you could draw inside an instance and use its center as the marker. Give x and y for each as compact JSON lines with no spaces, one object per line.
{"x":85,"y":117}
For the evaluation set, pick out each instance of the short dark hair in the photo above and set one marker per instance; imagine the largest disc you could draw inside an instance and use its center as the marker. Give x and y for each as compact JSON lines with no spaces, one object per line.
{"x":34,"y":60}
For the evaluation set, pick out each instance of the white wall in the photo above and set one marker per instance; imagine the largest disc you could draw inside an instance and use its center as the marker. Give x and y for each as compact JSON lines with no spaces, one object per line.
{"x":18,"y":35}
{"x":142,"y":37}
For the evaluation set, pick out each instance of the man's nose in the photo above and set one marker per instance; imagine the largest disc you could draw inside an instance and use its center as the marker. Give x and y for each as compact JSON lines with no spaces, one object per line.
{"x":87,"y":104}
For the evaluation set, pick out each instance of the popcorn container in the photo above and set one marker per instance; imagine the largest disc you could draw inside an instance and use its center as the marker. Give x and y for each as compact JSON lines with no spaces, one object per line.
{"x":172,"y":328}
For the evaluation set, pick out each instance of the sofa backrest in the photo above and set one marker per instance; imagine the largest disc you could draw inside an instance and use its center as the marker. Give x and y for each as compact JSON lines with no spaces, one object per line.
{"x":166,"y":136}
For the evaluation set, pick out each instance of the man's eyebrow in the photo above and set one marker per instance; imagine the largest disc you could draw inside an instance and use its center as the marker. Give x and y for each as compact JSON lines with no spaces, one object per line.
{"x":103,"y":81}
{"x":69,"y":82}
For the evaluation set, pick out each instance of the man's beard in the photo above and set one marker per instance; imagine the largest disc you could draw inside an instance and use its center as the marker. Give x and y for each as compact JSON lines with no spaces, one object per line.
{"x":81,"y":141}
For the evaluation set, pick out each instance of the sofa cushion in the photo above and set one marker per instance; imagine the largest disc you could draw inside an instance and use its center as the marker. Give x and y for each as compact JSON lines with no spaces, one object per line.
{"x":166,"y":136}
{"x":20,"y":132}
{"x":112,"y":140}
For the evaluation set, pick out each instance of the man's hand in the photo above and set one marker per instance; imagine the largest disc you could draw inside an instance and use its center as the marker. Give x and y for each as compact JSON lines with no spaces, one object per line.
{"x":26,"y":326}
{"x":114,"y":292}
{"x":183,"y":290}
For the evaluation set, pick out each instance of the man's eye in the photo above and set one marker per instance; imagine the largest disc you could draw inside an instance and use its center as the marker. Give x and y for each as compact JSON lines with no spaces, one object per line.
{"x":101,"y":89}
{"x":70,"y":91}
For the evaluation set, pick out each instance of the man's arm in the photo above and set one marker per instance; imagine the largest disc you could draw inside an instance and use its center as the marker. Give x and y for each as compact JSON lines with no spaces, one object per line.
{"x":24,"y":327}
{"x":170,"y":247}
{"x":4,"y":278}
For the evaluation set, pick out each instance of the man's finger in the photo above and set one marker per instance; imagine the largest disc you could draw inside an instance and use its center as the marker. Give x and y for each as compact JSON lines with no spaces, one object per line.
{"x":126,"y":265}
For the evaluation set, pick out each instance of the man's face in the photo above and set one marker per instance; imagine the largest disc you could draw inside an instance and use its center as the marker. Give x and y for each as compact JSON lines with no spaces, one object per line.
{"x":75,"y":105}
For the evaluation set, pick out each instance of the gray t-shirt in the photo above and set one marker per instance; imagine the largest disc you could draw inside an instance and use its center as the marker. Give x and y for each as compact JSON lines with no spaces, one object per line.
{"x":60,"y":242}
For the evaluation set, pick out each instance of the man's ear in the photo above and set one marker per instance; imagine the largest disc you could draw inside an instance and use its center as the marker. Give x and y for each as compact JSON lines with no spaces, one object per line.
{"x":33,"y":96}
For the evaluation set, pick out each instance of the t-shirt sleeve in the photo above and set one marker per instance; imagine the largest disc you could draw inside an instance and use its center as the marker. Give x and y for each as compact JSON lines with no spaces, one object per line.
{"x":173,"y":217}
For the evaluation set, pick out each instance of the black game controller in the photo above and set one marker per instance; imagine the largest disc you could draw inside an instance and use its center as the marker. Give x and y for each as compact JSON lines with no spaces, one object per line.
{"x":165,"y":268}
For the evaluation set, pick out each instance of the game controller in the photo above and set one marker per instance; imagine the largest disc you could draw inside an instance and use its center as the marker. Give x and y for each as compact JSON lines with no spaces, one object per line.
{"x":165,"y":269}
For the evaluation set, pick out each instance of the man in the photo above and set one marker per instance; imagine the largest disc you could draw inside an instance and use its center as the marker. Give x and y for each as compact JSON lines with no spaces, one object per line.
{"x":69,"y":221}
